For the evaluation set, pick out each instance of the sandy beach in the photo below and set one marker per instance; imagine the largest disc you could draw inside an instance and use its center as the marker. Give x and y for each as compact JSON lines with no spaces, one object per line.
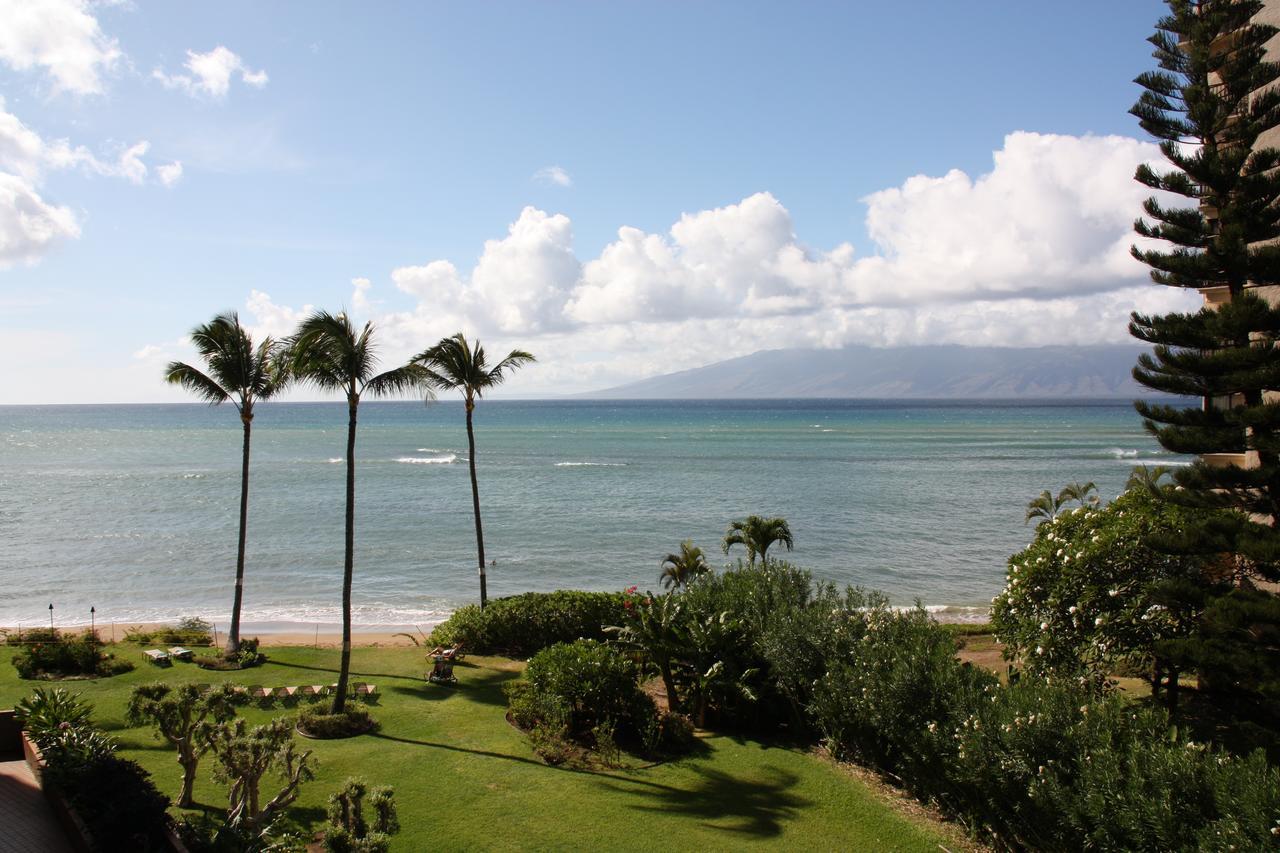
{"x":322,"y":635}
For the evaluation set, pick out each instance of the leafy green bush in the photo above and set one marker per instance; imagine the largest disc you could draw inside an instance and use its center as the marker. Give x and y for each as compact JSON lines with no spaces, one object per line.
{"x":594,"y":681}
{"x":48,"y":653}
{"x":525,"y":624}
{"x":349,"y":831}
{"x":354,"y":720}
{"x":245,"y":657}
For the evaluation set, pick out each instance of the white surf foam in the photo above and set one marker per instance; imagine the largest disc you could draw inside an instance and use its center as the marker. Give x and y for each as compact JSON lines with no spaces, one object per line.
{"x":591,"y":464}
{"x":335,"y":460}
{"x":1118,"y":453}
{"x":447,"y":459}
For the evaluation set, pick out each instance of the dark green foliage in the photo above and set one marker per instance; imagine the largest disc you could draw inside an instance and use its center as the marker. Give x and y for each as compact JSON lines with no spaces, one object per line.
{"x":594,"y":681}
{"x":48,"y":653}
{"x":1237,"y":652}
{"x":349,"y":831}
{"x":187,"y":717}
{"x":525,"y":624}
{"x":352,"y":720}
{"x":246,"y":656}
{"x":1211,"y":60}
{"x":1210,"y":104}
{"x":119,"y":804}
{"x":893,"y":692}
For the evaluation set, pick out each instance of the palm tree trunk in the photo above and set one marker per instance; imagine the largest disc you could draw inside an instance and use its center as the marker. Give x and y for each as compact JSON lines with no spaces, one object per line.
{"x":344,"y":671}
{"x":233,"y":639}
{"x":475,"y":504}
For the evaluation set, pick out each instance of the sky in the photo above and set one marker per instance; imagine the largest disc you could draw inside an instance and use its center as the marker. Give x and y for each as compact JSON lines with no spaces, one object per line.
{"x":624,"y":189}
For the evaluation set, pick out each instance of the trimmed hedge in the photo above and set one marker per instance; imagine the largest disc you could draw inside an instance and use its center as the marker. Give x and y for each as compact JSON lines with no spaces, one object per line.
{"x":522,"y":625}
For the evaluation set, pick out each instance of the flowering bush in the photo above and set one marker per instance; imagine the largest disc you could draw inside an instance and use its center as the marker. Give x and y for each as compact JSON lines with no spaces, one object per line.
{"x":1084,"y":596}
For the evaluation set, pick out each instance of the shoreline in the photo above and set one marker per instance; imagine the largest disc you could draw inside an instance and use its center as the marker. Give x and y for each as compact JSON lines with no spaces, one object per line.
{"x":327,"y":635}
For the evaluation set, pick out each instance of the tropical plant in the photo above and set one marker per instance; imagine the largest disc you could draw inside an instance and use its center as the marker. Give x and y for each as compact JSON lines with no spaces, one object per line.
{"x":455,"y":363}
{"x":244,"y":374}
{"x":1046,"y":506}
{"x":350,"y":831}
{"x":522,"y":625}
{"x":654,"y":625}
{"x":756,"y":534}
{"x":679,"y":569}
{"x":185,"y":716}
{"x":245,"y":756}
{"x":45,"y":713}
{"x":328,"y":352}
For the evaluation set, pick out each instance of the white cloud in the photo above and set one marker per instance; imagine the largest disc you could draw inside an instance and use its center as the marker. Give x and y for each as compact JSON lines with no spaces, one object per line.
{"x":210,"y":73}
{"x":148,"y":352}
{"x":1033,"y":252}
{"x":62,"y":37}
{"x":552,"y":176}
{"x":360,"y":303}
{"x":30,"y":226}
{"x":170,"y":173}
{"x":270,"y":319}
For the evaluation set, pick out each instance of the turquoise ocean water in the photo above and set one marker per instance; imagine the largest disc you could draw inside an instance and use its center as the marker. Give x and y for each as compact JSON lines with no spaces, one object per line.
{"x":133,"y":509}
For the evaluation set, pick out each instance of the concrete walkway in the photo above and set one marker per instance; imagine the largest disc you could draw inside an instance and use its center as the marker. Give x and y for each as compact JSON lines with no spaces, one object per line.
{"x":27,"y":824}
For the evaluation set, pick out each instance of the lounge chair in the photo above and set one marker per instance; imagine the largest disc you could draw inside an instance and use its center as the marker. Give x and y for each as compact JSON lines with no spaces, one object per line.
{"x":257,"y":691}
{"x":180,"y":653}
{"x":202,"y":689}
{"x":285,"y":692}
{"x":157,"y":657}
{"x":442,"y":672}
{"x":313,"y":690}
{"x":360,"y":688}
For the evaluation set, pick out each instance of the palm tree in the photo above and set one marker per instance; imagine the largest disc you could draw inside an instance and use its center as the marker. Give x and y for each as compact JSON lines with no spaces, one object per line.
{"x":1085,"y":493}
{"x":679,"y":569}
{"x":1044,"y":506}
{"x":454,"y":363}
{"x":756,"y":534}
{"x":327,"y":352}
{"x":237,"y":371}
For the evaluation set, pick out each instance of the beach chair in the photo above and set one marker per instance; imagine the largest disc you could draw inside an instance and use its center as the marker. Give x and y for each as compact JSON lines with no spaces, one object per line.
{"x":203,"y":688}
{"x":286,"y":692}
{"x":360,"y":688}
{"x":181,"y":653}
{"x":313,"y":691}
{"x":257,"y":691}
{"x":442,"y":672}
{"x":157,"y":657}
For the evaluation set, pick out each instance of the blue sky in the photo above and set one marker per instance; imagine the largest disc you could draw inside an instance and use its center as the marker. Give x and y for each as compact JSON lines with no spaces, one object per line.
{"x":788,"y":175}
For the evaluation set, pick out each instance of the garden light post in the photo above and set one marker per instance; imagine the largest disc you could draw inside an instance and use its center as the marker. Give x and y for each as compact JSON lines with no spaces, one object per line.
{"x":50,"y":616}
{"x":93,"y":622}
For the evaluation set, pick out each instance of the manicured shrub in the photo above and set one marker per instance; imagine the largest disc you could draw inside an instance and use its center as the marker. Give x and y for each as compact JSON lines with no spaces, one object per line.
{"x":525,"y":624}
{"x":318,"y":723}
{"x":188,"y":631}
{"x":593,"y":680}
{"x":48,"y":653}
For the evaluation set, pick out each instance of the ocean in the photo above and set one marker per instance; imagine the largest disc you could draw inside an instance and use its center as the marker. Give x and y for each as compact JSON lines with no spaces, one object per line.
{"x":132,"y":509}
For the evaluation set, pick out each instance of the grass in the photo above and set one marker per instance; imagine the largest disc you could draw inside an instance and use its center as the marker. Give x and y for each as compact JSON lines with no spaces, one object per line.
{"x":465,"y":779}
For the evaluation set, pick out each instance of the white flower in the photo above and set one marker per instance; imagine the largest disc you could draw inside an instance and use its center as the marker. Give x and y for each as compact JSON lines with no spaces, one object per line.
{"x":1113,"y":592}
{"x":1044,"y":626}
{"x":1071,"y":609}
{"x":1059,"y":554}
{"x":1097,"y":621}
{"x":1039,"y":650}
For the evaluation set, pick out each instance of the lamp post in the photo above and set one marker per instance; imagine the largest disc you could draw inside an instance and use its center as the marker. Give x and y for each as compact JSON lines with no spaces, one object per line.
{"x":93,"y":622}
{"x":51,"y":617}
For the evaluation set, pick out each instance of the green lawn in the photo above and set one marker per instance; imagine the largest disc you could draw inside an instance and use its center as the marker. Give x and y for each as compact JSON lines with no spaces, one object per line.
{"x":464,"y":779}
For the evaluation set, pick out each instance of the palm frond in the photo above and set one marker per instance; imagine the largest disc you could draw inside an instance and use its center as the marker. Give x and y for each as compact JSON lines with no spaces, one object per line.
{"x":195,"y":381}
{"x":402,"y":380}
{"x":455,"y":363}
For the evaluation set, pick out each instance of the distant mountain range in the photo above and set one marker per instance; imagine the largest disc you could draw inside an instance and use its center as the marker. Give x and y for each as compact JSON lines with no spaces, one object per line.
{"x":917,"y":372}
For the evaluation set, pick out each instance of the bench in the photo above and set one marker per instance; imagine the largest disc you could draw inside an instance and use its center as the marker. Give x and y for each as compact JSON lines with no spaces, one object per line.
{"x":157,"y":657}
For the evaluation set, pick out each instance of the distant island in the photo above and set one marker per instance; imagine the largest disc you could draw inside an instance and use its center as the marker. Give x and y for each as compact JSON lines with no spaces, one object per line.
{"x":913,"y":372}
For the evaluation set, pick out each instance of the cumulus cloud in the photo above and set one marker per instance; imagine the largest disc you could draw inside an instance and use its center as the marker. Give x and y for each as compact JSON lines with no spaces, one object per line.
{"x":210,"y":74}
{"x":29,"y":225}
{"x":1033,"y":252}
{"x":60,"y":37}
{"x":360,"y":303}
{"x":552,"y":176}
{"x":169,"y":173}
